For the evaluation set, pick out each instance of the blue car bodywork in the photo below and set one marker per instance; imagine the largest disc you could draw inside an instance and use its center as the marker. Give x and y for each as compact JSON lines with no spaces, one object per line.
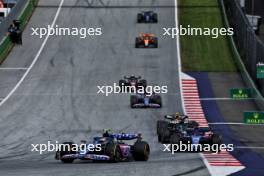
{"x":147,"y":17}
{"x":126,"y":151}
{"x":145,"y":101}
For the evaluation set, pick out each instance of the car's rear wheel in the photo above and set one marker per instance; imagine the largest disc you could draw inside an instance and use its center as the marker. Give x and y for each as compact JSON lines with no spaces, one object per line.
{"x":216,"y":139}
{"x":141,"y":151}
{"x":143,"y":83}
{"x":139,"y":18}
{"x":155,"y":18}
{"x":138,"y":43}
{"x":157,"y":99}
{"x":113,"y":151}
{"x":122,"y":83}
{"x":193,"y":124}
{"x":66,"y":149}
{"x":155,"y":43}
{"x":133,"y":100}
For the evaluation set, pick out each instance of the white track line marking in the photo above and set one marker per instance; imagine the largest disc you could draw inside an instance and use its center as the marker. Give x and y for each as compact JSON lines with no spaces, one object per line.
{"x":234,"y":123}
{"x":35,"y":59}
{"x":180,"y":77}
{"x":179,"y":54}
{"x":212,"y":99}
{"x":10,"y":68}
{"x":248,"y":147}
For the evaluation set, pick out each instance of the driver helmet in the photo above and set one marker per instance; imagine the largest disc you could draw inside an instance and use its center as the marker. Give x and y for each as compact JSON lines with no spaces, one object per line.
{"x":177,"y":115}
{"x":106,"y":132}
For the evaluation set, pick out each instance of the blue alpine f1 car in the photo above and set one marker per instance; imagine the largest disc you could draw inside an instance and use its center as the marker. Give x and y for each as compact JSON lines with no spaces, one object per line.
{"x":108,"y":147}
{"x":147,"y":17}
{"x":145,"y":101}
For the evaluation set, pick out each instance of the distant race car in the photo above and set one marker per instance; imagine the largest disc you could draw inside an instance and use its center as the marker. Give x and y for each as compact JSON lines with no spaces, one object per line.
{"x":171,"y":122}
{"x":197,"y":135}
{"x":132,"y":80}
{"x":147,"y":17}
{"x":113,"y":149}
{"x":146,"y":41}
{"x":145,"y":101}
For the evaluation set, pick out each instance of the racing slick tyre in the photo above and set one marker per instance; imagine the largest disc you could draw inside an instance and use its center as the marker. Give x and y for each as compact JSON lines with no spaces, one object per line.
{"x":216,"y":139}
{"x":193,"y":124}
{"x":174,"y":139}
{"x":113,"y":151}
{"x":139,"y":18}
{"x":133,"y":100}
{"x":141,"y":151}
{"x":164,"y":135}
{"x":155,"y":43}
{"x":122,"y":83}
{"x":157,"y":99}
{"x":161,"y":124}
{"x":159,"y":138}
{"x":65,"y":151}
{"x":138,"y":43}
{"x":155,"y":18}
{"x":143,"y":83}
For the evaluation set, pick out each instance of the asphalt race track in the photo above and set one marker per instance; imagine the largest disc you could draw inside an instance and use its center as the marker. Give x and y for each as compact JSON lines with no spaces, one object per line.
{"x":58,"y":98}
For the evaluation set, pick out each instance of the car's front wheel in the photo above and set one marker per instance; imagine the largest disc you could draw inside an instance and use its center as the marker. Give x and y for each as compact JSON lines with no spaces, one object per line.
{"x":141,"y":151}
{"x":133,"y":100}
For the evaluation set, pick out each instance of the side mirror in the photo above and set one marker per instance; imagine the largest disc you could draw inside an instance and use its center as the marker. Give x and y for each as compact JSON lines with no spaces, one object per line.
{"x":168,"y":117}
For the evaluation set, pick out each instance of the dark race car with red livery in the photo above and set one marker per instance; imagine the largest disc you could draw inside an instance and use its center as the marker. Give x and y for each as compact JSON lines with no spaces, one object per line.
{"x":133,"y":81}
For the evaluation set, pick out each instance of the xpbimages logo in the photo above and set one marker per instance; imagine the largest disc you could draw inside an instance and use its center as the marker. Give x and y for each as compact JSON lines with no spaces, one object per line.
{"x":188,"y":147}
{"x":53,"y":147}
{"x":116,"y":89}
{"x":82,"y":32}
{"x":197,"y":31}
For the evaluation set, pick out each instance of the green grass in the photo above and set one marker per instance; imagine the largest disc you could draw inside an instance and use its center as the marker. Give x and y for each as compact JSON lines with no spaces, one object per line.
{"x":202,"y":53}
{"x":6,"y":46}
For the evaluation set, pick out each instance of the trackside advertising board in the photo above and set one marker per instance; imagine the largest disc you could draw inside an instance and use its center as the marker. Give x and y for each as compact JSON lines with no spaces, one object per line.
{"x":240,"y":93}
{"x":251,"y":117}
{"x":260,"y":70}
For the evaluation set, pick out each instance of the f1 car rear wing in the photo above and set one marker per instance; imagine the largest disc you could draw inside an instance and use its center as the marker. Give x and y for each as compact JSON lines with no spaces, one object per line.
{"x":172,"y":117}
{"x":199,"y":129}
{"x":125,"y":136}
{"x":204,"y":129}
{"x":135,"y":77}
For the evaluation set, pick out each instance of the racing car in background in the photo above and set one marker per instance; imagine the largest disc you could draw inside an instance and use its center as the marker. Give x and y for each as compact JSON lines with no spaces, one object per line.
{"x":113,"y":149}
{"x":134,"y":81}
{"x":197,"y":135}
{"x":146,"y":41}
{"x":172,"y":121}
{"x":145,"y":101}
{"x":147,"y":17}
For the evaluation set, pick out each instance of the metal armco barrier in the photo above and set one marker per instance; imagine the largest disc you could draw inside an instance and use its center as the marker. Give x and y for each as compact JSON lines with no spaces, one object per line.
{"x":249,"y":46}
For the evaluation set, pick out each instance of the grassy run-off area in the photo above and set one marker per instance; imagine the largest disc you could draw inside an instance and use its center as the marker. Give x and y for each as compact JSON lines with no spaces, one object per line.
{"x":203,"y":53}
